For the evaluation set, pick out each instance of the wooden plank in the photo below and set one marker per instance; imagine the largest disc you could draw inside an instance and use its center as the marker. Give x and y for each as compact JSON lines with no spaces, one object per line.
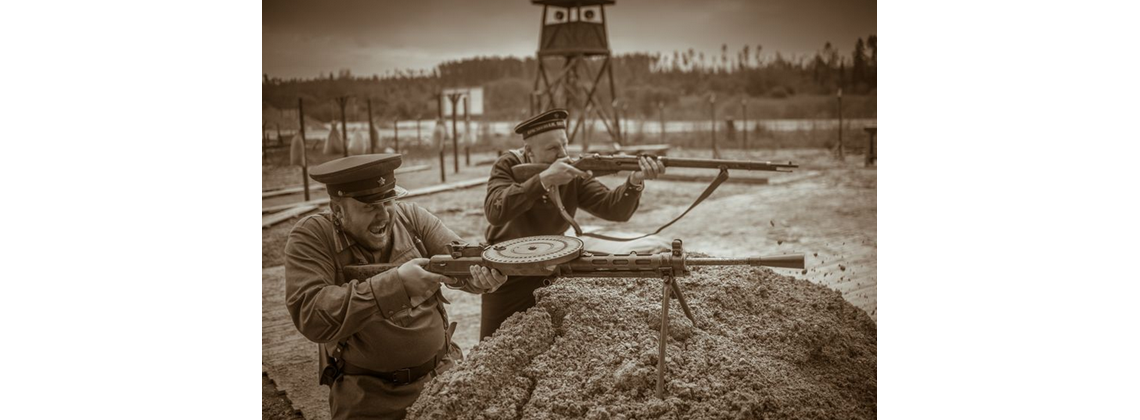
{"x":447,"y":187}
{"x":417,"y":168}
{"x":281,"y":207}
{"x":292,"y":190}
{"x":282,"y":210}
{"x":275,"y":218}
{"x":318,"y":186}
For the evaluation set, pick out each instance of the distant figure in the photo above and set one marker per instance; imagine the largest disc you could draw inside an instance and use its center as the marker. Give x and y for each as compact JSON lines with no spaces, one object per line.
{"x":333,"y":144}
{"x":357,"y":144}
{"x":296,"y":149}
{"x":375,"y":140}
{"x":439,"y":134}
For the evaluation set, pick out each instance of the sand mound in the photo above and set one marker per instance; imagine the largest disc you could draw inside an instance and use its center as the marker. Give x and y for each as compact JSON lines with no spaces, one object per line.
{"x":768,"y":346}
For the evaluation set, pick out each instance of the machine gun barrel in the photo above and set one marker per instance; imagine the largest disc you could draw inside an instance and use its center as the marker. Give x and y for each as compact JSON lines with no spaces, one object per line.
{"x":782,"y":261}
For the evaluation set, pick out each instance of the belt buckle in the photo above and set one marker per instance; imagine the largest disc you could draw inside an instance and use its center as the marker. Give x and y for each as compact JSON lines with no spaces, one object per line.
{"x":405,"y":372}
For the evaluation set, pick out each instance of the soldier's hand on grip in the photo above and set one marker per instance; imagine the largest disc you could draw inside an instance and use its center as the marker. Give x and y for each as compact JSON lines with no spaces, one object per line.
{"x":415,"y":277}
{"x":560,"y":173}
{"x":651,"y":167}
{"x":486,"y":279}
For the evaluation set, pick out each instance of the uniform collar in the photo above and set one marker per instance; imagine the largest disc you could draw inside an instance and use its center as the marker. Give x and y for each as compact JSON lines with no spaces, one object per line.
{"x":343,"y":241}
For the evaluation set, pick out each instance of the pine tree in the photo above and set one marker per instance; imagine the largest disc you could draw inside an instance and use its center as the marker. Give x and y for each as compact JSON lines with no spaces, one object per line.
{"x":858,"y":64}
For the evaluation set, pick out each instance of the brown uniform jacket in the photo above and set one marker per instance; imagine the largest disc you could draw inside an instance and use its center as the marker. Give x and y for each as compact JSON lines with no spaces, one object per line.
{"x":517,"y":210}
{"x":384,"y":325}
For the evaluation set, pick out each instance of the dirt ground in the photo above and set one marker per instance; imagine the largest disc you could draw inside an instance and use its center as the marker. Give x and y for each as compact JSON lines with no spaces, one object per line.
{"x":764,"y":346}
{"x":274,"y":404}
{"x":826,"y":209}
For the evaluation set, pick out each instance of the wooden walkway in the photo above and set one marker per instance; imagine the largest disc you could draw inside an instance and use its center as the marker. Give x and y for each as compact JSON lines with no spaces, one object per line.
{"x":319,"y":186}
{"x":285,"y":212}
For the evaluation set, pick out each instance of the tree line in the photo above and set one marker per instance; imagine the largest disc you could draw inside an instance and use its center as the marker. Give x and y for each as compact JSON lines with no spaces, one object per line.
{"x":643,"y":80}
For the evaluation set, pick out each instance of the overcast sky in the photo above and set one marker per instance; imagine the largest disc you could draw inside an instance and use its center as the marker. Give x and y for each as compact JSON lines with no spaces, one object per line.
{"x":304,"y":38}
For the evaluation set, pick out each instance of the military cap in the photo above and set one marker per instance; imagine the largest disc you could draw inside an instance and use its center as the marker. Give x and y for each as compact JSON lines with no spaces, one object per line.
{"x":550,"y":120}
{"x":367,"y":178}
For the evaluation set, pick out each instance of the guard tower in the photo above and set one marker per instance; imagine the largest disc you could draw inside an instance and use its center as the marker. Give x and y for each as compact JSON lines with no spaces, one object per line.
{"x":573,"y":55}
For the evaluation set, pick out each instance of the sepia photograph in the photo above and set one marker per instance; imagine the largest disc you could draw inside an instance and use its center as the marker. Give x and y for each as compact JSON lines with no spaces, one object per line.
{"x":569,"y":209}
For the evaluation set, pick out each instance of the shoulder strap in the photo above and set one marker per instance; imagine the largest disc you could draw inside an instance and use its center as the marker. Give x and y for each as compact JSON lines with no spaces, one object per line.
{"x":720,"y":178}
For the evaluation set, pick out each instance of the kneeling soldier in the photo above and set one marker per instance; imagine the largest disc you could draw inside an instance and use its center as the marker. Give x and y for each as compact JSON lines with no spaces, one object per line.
{"x":382,"y":338}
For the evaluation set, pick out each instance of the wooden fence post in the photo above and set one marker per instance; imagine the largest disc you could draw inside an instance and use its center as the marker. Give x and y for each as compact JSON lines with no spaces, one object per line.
{"x":712,"y":122}
{"x":661,"y":116}
{"x":342,"y":101}
{"x":304,"y":153}
{"x":371,"y":129}
{"x":466,"y":131}
{"x":839,"y":98}
{"x":744,"y":116}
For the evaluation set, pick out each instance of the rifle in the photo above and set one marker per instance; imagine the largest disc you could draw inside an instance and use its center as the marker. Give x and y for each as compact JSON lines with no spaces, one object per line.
{"x":564,"y":256}
{"x":603,"y":165}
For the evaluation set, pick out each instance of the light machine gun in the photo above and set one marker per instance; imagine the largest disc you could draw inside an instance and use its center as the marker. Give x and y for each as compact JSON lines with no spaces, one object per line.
{"x":564,"y":256}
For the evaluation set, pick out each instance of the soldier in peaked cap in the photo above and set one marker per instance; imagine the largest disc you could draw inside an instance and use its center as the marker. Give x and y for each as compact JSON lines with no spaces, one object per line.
{"x":520,"y":209}
{"x":381,"y":338}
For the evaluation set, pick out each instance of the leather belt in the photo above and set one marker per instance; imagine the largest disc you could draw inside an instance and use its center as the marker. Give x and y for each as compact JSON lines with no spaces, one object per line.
{"x":400,"y":376}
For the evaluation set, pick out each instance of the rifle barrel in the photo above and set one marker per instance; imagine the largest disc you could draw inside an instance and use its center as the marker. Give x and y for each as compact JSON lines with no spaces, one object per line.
{"x":748,"y":165}
{"x":782,"y":261}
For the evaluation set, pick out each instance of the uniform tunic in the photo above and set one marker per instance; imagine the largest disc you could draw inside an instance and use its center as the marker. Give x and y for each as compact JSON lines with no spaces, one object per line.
{"x":384,"y":325}
{"x":517,"y":210}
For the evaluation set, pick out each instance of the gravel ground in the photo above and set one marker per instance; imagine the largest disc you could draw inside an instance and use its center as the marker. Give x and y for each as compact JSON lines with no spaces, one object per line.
{"x":768,"y":346}
{"x":274,"y":404}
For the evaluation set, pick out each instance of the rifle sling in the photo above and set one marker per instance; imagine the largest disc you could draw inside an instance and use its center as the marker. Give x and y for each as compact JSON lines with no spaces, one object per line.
{"x":556,"y":197}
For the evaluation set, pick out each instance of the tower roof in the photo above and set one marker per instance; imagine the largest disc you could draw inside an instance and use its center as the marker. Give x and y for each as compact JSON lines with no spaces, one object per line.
{"x":573,"y":3}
